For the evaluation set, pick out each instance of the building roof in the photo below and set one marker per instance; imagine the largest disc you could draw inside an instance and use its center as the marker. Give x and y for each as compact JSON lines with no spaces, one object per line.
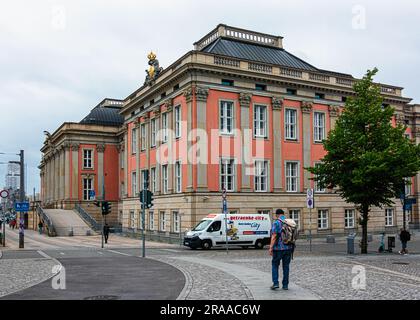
{"x":255,"y":52}
{"x":105,"y":114}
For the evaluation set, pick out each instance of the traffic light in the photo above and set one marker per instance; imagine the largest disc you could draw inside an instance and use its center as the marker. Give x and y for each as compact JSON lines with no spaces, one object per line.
{"x":106,"y":208}
{"x":146,"y":199}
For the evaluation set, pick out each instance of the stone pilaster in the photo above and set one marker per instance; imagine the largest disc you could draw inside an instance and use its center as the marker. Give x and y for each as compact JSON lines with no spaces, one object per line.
{"x":202,"y":157}
{"x":137,"y":125}
{"x":100,"y":149}
{"x":67,"y":171}
{"x":307,"y":141}
{"x":277,"y":104}
{"x":171,"y":137}
{"x":125,"y":191}
{"x":189,"y":97}
{"x":75,"y":171}
{"x":245,"y":102}
{"x":62,"y":172}
{"x":334,"y":112}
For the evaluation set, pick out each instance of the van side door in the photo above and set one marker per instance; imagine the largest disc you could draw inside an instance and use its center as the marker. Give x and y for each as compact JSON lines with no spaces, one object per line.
{"x":215,"y":232}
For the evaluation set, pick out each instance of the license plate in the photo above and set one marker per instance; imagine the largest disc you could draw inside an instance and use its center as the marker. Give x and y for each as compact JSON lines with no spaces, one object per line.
{"x":186,"y":243}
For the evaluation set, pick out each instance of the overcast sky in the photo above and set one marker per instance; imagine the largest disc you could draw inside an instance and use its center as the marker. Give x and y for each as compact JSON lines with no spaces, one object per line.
{"x":58,"y":59}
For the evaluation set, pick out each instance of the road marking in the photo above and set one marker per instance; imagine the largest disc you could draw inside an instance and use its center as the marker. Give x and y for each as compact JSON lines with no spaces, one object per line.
{"x":62,"y":253}
{"x":402,"y":275}
{"x":123,"y":254}
{"x":42,"y":253}
{"x":100,"y":252}
{"x":170,"y":250}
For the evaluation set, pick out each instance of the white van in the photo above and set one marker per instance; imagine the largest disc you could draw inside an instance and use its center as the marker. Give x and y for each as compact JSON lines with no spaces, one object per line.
{"x":242,"y":229}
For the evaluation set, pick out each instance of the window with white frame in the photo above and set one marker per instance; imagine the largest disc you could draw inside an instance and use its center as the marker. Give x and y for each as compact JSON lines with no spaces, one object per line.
{"x":87,"y":188}
{"x":162,"y":221}
{"x":226,"y":117}
{"x":175,"y":221}
{"x":178,"y":177}
{"x":143,"y":136}
{"x":153,"y":129}
{"x":349,"y":218}
{"x":317,"y":188}
{"x":87,"y":159}
{"x":164,"y":130}
{"x":389,"y":217}
{"x":153,"y":179}
{"x":407,"y":186}
{"x":261,"y":176}
{"x":295,"y":215}
{"x":140,"y":227}
{"x":264,"y":211}
{"x":143,"y":179}
{"x":322,"y":219}
{"x":227,"y":174}
{"x":233,"y":211}
{"x":177,"y":111}
{"x":292,"y":176}
{"x":151,"y":220}
{"x":260,"y":121}
{"x":134,"y":141}
{"x":291,"y":124}
{"x":319,"y":126}
{"x":134,"y":183}
{"x":132,"y":219}
{"x":165,"y":178}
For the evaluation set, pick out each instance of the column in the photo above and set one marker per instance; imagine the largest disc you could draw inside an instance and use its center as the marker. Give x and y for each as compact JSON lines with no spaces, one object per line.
{"x":171,"y":137}
{"x":67,"y":171}
{"x":201,"y":100}
{"x":125,"y":192}
{"x":245,"y":101}
{"x":189,"y":97}
{"x":307,"y":141}
{"x":277,"y":104}
{"x":75,"y":171}
{"x":334,"y":111}
{"x":62,"y":173}
{"x":416,"y":207}
{"x":55,"y":176}
{"x":100,"y":148}
{"x":157,"y":115}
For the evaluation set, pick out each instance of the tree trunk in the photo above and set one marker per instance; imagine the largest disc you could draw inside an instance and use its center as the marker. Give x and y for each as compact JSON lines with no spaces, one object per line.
{"x":364,"y":223}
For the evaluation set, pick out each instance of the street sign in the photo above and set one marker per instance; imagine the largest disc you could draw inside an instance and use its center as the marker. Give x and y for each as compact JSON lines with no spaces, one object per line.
{"x":224,"y":206}
{"x":4,"y":194}
{"x":310,"y":203}
{"x":22,"y":206}
{"x":92,"y":195}
{"x":410,"y":201}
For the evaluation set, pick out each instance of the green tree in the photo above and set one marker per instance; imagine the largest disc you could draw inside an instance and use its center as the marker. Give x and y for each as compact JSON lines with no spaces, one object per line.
{"x":367,"y":157}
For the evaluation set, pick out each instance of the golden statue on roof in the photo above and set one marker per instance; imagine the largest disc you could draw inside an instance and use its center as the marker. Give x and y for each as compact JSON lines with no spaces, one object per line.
{"x":154,"y":69}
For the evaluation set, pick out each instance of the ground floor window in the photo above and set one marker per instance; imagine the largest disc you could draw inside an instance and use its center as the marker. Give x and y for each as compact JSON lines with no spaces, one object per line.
{"x":162,"y":221}
{"x":322,"y":219}
{"x":295,"y":215}
{"x":132,"y":219}
{"x":175,"y":221}
{"x":87,"y":188}
{"x":151,"y":220}
{"x":389,"y":217}
{"x":349,"y":218}
{"x":264,"y":211}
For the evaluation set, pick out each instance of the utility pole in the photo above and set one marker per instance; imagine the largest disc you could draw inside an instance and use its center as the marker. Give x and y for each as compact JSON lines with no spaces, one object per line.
{"x":22,"y":199}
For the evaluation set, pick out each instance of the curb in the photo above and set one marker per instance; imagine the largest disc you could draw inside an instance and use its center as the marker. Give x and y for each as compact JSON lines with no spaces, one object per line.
{"x":1,"y":254}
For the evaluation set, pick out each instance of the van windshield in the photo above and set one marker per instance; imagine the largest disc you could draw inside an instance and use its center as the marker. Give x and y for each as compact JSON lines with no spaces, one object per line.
{"x":202,"y":225}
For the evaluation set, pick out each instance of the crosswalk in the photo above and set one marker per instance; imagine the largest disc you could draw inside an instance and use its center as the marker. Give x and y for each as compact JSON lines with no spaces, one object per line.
{"x":34,"y":241}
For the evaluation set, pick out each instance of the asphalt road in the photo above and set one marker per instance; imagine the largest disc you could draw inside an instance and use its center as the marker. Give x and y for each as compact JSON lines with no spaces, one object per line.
{"x":102,"y":275}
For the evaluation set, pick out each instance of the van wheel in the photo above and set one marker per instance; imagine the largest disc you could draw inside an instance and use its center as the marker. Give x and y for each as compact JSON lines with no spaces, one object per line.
{"x":259,"y":244}
{"x":206,"y":245}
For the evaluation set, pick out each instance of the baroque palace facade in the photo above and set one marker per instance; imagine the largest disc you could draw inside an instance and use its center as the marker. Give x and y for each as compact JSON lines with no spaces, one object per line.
{"x":239,"y":113}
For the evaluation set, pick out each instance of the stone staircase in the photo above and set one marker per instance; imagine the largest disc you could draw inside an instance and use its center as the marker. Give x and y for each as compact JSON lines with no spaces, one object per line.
{"x":67,"y":223}
{"x":96,"y":213}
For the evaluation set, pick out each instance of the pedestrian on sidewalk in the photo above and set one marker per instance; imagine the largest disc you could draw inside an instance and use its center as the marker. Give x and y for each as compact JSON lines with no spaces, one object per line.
{"x":40,"y":225}
{"x":106,"y":232}
{"x":280,"y":252}
{"x":404,"y":238}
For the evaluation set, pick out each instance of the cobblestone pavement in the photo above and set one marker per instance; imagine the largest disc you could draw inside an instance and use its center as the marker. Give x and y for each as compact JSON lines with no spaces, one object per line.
{"x":19,"y":274}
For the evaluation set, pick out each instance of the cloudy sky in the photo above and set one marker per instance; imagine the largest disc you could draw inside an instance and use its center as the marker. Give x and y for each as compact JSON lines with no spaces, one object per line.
{"x":58,"y":59}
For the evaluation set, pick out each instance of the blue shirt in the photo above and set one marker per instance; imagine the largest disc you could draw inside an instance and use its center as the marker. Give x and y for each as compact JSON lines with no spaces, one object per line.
{"x":276,"y":229}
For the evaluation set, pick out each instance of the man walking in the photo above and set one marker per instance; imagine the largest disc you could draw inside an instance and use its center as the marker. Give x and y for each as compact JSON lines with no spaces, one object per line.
{"x":106,"y":232}
{"x":404,"y":237}
{"x":280,"y":252}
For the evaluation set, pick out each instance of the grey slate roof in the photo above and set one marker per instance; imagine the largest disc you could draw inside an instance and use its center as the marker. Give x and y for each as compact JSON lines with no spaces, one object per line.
{"x":106,"y":116}
{"x":254,"y":52}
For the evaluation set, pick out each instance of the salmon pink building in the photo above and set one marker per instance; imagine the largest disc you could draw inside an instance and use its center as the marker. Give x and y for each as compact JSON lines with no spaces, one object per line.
{"x":237,"y":113}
